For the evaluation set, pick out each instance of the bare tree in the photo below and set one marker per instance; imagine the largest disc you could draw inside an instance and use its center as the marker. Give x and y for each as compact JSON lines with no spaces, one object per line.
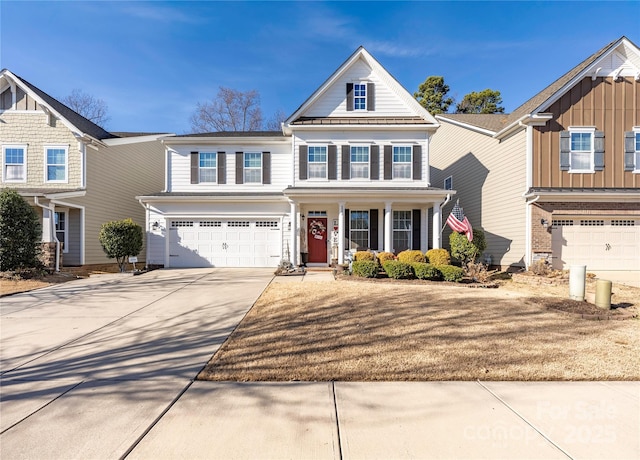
{"x":230,"y":110}
{"x":90,"y":107}
{"x":275,"y":122}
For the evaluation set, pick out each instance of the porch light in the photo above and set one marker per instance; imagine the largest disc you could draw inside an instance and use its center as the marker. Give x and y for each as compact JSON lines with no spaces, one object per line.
{"x":545,"y":223}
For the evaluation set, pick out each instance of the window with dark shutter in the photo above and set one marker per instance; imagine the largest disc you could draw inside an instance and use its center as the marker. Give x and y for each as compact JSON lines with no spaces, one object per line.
{"x":347,"y":225}
{"x":195,"y":165}
{"x":415,"y":228}
{"x":302,"y":161}
{"x":239,"y":168}
{"x":349,"y":97}
{"x":565,"y":150}
{"x":388,"y":162}
{"x":375,"y":162}
{"x":222,"y":168}
{"x":630,"y":151}
{"x":371,"y":98}
{"x":373,"y":229}
{"x":417,"y":162}
{"x":346,"y":162}
{"x":332,"y":163}
{"x":266,"y":167}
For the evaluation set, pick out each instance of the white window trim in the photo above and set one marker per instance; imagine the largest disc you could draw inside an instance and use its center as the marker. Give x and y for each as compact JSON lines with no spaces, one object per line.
{"x":636,"y":169}
{"x":253,"y":168}
{"x":65,"y":211}
{"x":444,"y":184}
{"x":393,"y":163}
{"x":368,"y":163}
{"x":351,"y":229}
{"x":66,"y":164}
{"x":24,"y":158}
{"x":326,"y":163}
{"x":395,"y":230}
{"x":366,"y":96}
{"x":592,"y":131}
{"x":208,"y":168}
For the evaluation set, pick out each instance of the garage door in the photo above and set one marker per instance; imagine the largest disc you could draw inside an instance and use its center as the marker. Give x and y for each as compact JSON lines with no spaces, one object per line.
{"x":225,"y":243}
{"x":600,"y":244}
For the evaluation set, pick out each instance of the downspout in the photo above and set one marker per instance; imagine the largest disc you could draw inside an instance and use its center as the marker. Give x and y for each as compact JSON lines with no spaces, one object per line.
{"x":529,"y":185}
{"x":52,"y":223}
{"x":442,"y":205}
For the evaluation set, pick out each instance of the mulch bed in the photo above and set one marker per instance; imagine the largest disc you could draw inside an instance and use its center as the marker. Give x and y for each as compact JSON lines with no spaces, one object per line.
{"x":587,"y":310}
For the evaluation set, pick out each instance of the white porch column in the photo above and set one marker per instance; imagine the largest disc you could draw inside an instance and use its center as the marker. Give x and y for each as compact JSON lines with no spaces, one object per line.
{"x":294,"y":233}
{"x":388,"y":233}
{"x":437,"y":225}
{"x":48,"y":224}
{"x":424,"y":238}
{"x":341,"y":233}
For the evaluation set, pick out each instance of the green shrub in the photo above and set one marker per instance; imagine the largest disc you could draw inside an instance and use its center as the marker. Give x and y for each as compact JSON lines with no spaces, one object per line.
{"x":385,"y":256}
{"x":363,"y":255}
{"x":467,"y":251}
{"x":424,"y":271}
{"x":365,"y":268}
{"x":451,"y":273}
{"x":398,"y":270}
{"x":20,"y":233}
{"x":121,"y":239}
{"x":410,"y":256}
{"x":438,"y":257}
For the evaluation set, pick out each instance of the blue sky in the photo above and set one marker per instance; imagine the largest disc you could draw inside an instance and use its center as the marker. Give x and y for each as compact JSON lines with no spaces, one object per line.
{"x":153,"y":61}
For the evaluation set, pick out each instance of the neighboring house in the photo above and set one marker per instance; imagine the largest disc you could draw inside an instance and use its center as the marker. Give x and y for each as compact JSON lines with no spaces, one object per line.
{"x":74,"y":173}
{"x":349,"y":171}
{"x":559,"y":178}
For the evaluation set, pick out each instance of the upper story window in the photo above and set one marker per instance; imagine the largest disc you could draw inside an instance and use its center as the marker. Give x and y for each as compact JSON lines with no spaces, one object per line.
{"x":15,"y":163}
{"x":402,"y":161}
{"x":253,"y":168}
{"x":632,"y":150}
{"x":360,"y":96}
{"x":637,"y":152}
{"x":581,"y":150}
{"x":448,"y":183}
{"x":208,"y":167}
{"x":360,"y":162}
{"x":56,"y":164}
{"x":317,"y":164}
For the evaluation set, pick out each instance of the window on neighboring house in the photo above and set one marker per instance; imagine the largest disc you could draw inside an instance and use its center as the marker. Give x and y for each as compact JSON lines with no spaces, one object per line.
{"x":317,"y":162}
{"x":208,"y":170}
{"x":62,"y":229}
{"x":56,"y":168}
{"x":401,"y":230}
{"x":359,"y":230}
{"x":359,"y":162}
{"x":402,"y":162}
{"x":448,"y":183}
{"x":252,"y":168}
{"x":360,"y":96}
{"x":637,"y":153}
{"x":15,"y":169}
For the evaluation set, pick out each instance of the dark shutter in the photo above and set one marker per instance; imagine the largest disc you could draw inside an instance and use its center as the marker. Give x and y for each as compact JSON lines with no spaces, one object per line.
{"x":374,"y":159}
{"x":417,"y":162}
{"x":565,"y":150}
{"x":332,"y":163}
{"x":349,"y":97}
{"x":371,"y":97}
{"x":346,"y":230}
{"x":346,"y":162}
{"x":373,"y":229}
{"x":222,"y":167}
{"x":266,"y":167}
{"x":388,"y":162}
{"x":598,"y":151}
{"x":239,"y":168}
{"x":302,"y":161}
{"x":415,"y":229}
{"x":629,"y":150}
{"x":195,"y":168}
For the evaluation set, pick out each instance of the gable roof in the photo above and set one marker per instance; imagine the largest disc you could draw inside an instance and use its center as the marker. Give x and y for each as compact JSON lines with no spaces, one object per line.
{"x":361,"y":54}
{"x":73,"y":119}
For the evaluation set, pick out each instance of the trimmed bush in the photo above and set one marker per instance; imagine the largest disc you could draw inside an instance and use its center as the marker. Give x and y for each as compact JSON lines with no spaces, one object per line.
{"x":410,"y":256}
{"x":365,"y":268}
{"x":121,"y":239}
{"x":363,"y":255}
{"x":20,"y":233}
{"x":451,"y":273}
{"x":438,"y":257}
{"x":398,"y":270}
{"x":467,"y":251}
{"x":424,"y":271}
{"x":385,"y":256}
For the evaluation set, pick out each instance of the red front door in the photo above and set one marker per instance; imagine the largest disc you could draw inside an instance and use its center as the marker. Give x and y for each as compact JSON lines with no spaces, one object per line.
{"x":317,"y":239}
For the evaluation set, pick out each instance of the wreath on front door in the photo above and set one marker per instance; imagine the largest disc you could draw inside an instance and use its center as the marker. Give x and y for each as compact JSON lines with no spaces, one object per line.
{"x":317,"y":229}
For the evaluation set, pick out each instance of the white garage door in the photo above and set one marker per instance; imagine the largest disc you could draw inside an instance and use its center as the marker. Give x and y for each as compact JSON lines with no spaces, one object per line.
{"x":225,"y":243}
{"x":600,"y":244}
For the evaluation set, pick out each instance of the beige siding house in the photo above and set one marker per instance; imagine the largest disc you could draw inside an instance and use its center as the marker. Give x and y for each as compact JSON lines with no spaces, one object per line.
{"x":75,"y":174}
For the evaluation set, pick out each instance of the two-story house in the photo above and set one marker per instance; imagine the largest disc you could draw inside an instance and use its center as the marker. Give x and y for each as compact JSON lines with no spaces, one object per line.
{"x":74,"y":173}
{"x":559,"y":178}
{"x":350,"y":170}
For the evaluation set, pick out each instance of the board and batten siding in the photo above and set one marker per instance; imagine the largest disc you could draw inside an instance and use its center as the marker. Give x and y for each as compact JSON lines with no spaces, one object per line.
{"x":611,"y":107}
{"x":489,"y":177}
{"x":333,"y":103}
{"x":180,"y":168}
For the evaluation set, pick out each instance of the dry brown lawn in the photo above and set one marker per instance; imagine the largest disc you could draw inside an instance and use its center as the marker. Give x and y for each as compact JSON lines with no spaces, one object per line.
{"x":368,"y":331}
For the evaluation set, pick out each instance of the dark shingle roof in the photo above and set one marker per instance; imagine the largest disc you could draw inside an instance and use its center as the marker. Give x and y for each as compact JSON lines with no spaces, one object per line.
{"x":235,"y":134}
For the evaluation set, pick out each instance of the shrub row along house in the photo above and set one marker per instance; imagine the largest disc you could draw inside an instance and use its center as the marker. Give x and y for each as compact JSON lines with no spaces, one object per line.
{"x":359,"y":165}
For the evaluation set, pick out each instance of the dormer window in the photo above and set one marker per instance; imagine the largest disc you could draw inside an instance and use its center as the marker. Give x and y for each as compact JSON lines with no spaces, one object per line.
{"x":360,"y":96}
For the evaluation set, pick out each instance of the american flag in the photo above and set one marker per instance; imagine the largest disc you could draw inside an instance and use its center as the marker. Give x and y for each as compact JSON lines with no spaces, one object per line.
{"x":459,"y":222}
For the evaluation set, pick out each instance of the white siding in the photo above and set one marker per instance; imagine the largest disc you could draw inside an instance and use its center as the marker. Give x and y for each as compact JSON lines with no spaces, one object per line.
{"x":489,"y":177}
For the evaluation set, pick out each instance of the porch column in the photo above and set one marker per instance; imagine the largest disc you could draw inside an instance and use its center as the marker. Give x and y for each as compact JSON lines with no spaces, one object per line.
{"x":341,"y":233}
{"x":48,"y":224}
{"x":437,"y":225}
{"x":388,"y":240}
{"x":294,"y":233}
{"x":424,"y":238}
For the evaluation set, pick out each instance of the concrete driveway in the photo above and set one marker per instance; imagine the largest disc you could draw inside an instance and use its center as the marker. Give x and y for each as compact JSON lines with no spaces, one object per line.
{"x":88,"y":366}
